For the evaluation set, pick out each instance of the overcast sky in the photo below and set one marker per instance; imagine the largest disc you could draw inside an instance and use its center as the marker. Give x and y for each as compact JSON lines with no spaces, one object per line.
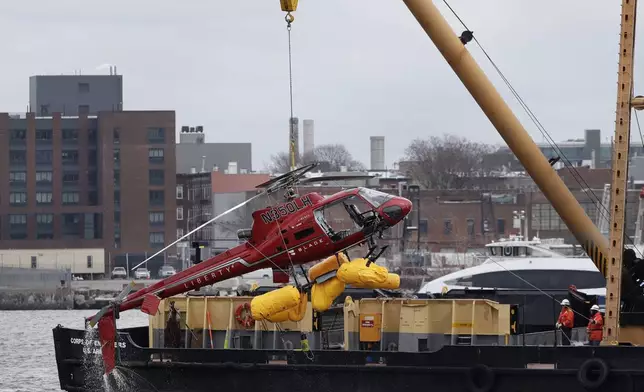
{"x":361,"y":67}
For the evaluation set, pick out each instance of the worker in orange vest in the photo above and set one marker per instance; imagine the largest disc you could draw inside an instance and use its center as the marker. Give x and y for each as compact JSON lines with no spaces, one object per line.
{"x":595,"y":326}
{"x":565,"y":322}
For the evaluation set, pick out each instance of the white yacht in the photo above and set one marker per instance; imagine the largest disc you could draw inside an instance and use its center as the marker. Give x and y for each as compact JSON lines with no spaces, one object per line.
{"x":515,"y":263}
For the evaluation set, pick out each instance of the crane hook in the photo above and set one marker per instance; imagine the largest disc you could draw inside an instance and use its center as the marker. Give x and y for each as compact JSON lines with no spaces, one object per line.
{"x":289,"y":18}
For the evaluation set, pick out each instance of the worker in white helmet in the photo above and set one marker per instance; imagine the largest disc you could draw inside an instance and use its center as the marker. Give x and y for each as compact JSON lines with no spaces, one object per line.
{"x":565,"y":322}
{"x":595,"y":327}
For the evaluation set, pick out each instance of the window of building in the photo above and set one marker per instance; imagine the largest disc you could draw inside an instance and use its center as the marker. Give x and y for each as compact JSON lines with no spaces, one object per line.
{"x":90,"y":262}
{"x":117,"y":198}
{"x":44,"y":197}
{"x":83,"y":109}
{"x":156,"y":135}
{"x":17,"y":177}
{"x":180,"y":213}
{"x":70,"y":135}
{"x":179,"y":233}
{"x":157,"y":218}
{"x":70,"y":157}
{"x":117,"y":178}
{"x":116,"y":135}
{"x":18,"y":198}
{"x":44,"y":219}
{"x":17,"y":220}
{"x":156,"y":177}
{"x":43,"y":135}
{"x":44,"y":226}
{"x":179,"y":191}
{"x":44,"y":177}
{"x":83,"y":88}
{"x":18,"y":226}
{"x":156,"y":198}
{"x":71,"y":226}
{"x":157,"y":239}
{"x":447,"y":227}
{"x":117,"y":216}
{"x":17,"y":157}
{"x":71,"y":197}
{"x":155,"y":155}
{"x":470,"y":227}
{"x":92,"y":158}
{"x":44,"y":157}
{"x":117,"y":157}
{"x":500,"y":226}
{"x":44,"y":110}
{"x":92,"y":198}
{"x":92,"y":177}
{"x":423,"y":226}
{"x":70,"y":177}
{"x":18,"y":135}
{"x":92,"y":135}
{"x":34,"y":262}
{"x":92,"y":226}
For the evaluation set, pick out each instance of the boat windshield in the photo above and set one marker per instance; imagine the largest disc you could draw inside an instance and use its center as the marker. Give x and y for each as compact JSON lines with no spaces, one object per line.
{"x":509,"y":251}
{"x":375,"y":198}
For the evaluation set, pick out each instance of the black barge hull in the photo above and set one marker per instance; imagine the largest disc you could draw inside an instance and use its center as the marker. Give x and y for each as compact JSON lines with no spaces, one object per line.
{"x":452,"y":368}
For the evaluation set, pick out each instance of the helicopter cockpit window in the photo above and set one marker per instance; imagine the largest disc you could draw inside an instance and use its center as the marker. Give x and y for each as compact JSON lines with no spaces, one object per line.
{"x":376,"y":198}
{"x":338,"y":220}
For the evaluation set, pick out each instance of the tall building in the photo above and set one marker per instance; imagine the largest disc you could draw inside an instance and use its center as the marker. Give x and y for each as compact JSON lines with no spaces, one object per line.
{"x":377,"y":153}
{"x":308,"y":129}
{"x":194,"y":208}
{"x":194,"y":154}
{"x":72,"y":95}
{"x":104,"y":181}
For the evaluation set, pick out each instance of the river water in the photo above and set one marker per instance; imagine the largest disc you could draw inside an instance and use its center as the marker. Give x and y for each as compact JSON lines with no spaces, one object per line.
{"x":27,"y":359}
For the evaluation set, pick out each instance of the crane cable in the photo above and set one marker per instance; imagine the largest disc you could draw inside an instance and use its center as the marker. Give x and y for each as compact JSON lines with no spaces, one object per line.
{"x":289,"y":20}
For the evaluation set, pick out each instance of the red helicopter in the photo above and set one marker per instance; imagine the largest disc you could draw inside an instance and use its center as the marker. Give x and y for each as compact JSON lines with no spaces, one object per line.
{"x":299,"y":230}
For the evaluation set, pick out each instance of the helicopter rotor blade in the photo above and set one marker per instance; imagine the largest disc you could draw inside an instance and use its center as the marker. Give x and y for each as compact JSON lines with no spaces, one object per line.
{"x":228,"y":211}
{"x":286,"y":179}
{"x":332,"y":179}
{"x":124,"y":293}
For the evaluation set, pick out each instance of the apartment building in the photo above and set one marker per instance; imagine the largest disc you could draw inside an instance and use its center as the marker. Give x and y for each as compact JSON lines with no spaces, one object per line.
{"x":89,"y":181}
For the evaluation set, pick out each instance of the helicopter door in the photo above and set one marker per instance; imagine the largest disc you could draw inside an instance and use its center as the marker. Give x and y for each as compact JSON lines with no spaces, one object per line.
{"x":342,"y":218}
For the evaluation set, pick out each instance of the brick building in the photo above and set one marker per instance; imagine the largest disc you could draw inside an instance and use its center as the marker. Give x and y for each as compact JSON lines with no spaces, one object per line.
{"x":97,"y":181}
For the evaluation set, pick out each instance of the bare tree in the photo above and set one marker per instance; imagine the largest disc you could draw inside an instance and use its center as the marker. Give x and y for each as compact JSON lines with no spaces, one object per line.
{"x":280,"y":163}
{"x":335,"y":155}
{"x":445,"y":162}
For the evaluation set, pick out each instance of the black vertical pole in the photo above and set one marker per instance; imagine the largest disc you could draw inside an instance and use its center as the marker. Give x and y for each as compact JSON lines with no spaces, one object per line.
{"x":418,"y":223}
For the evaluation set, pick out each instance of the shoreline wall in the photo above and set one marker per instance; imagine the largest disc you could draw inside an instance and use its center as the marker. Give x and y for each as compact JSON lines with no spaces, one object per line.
{"x":35,"y":289}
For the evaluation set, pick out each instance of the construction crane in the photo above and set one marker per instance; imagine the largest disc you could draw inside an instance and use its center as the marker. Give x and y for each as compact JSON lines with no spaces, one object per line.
{"x":607,"y":256}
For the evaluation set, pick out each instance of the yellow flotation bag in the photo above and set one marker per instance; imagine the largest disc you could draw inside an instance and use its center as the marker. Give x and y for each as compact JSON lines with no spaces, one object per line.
{"x":274,"y":302}
{"x":392,"y":283}
{"x":323,"y":294}
{"x":356,"y":273}
{"x":329,"y":264}
{"x":296,"y":313}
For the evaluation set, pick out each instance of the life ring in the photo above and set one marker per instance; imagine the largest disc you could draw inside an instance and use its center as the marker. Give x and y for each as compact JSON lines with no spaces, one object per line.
{"x":592,"y":373}
{"x":244,"y":316}
{"x":392,"y":347}
{"x":288,"y":345}
{"x":480,"y":378}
